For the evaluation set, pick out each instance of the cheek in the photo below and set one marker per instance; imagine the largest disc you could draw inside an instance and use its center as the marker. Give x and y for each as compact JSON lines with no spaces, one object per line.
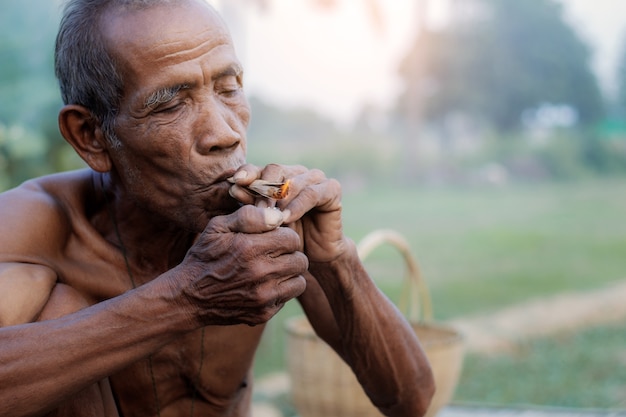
{"x":156,"y":143}
{"x":148,"y":176}
{"x":243,"y":114}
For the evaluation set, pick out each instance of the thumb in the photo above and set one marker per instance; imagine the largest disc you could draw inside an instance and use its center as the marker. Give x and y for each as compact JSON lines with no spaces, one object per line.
{"x":247,"y":219}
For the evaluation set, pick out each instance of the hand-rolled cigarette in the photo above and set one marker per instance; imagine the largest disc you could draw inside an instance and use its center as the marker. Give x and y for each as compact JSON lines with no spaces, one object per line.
{"x":267,"y":189}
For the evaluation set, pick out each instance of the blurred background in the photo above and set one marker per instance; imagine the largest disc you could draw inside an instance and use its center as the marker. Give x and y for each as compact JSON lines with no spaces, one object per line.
{"x":490,"y":133}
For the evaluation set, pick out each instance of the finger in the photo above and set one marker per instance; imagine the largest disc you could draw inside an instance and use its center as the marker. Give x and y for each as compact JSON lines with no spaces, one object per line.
{"x":271,"y":172}
{"x":287,"y":260}
{"x":247,"y":219}
{"x":291,"y":288}
{"x":242,"y":178}
{"x":323,"y":197}
{"x":246,"y":174}
{"x":299,"y":182}
{"x":280,"y":292}
{"x":287,"y":290}
{"x":239,"y":193}
{"x":265,"y":203}
{"x":274,"y":172}
{"x":244,"y":196}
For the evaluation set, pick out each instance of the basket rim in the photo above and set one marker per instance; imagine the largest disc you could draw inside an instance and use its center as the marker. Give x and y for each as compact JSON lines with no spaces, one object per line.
{"x":415,"y":302}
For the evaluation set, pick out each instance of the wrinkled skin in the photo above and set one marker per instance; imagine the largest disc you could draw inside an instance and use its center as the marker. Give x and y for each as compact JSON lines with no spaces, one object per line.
{"x":150,"y":277}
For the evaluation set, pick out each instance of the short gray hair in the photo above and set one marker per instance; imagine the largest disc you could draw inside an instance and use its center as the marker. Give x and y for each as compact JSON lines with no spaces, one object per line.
{"x":86,"y":71}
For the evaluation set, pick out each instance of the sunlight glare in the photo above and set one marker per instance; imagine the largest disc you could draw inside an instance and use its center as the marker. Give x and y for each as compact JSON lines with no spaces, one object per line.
{"x":336,"y":59}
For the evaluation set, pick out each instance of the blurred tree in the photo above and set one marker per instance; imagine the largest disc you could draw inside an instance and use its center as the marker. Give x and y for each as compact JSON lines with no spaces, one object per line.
{"x":620,"y":100}
{"x":27,"y":82}
{"x":497,"y":58}
{"x":30,"y":143}
{"x":295,"y":125}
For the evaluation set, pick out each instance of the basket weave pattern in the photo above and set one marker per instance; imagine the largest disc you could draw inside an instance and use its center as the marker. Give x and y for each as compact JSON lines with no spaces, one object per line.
{"x":322,"y":385}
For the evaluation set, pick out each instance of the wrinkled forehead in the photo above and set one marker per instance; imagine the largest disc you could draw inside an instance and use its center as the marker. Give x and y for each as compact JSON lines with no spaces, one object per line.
{"x":162,"y":30}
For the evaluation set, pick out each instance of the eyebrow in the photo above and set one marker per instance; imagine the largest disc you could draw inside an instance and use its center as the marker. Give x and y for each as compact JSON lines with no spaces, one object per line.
{"x":163,"y":95}
{"x":234,"y":70}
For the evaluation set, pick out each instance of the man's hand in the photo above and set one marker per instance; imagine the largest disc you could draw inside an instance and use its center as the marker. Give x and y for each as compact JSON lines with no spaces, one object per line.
{"x":312,"y":206}
{"x":243,"y":268}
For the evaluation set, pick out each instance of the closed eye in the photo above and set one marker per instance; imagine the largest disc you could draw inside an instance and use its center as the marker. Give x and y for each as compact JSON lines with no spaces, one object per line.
{"x":171,"y":108}
{"x":228,"y":86}
{"x":230,"y":91}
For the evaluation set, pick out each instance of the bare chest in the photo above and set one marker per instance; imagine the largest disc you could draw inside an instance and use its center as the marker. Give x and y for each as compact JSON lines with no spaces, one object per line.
{"x":208,"y":370}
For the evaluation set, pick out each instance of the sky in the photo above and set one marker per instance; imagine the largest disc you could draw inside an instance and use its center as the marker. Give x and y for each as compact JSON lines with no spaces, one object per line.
{"x":337,"y":60}
{"x":602,"y":24}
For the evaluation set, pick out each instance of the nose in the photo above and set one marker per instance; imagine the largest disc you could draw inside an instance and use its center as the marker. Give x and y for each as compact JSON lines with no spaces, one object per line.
{"x":219,"y":128}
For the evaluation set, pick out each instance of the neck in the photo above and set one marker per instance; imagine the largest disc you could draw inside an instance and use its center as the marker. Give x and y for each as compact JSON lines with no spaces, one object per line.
{"x":151,"y":244}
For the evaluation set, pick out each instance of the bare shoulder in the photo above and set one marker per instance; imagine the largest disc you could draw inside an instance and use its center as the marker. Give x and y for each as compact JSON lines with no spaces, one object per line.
{"x":36,"y":216}
{"x":35,"y":223}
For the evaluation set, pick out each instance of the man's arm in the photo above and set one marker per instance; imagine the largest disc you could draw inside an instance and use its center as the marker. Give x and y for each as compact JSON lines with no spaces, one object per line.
{"x":371,"y":335}
{"x":344,"y":306}
{"x":235,"y":273}
{"x":45,"y":362}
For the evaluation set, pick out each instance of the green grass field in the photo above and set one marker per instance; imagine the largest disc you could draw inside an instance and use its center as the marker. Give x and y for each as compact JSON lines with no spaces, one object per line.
{"x":582,"y":370}
{"x":481,"y":249}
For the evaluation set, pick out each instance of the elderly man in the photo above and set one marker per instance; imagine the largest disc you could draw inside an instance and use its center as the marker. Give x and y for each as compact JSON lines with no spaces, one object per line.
{"x":141,"y":285}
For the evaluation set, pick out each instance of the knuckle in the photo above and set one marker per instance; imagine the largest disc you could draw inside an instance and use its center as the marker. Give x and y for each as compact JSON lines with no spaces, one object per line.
{"x":273,"y":170}
{"x":266,"y":314}
{"x":264,"y":294}
{"x":289,"y":237}
{"x":317,"y":174}
{"x":301,"y":261}
{"x":299,"y":285}
{"x":217,"y":224}
{"x":257,"y":297}
{"x":334,"y":185}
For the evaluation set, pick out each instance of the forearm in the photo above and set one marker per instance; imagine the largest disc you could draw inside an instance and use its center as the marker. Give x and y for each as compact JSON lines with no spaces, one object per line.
{"x":376,"y":341}
{"x":44,"y":363}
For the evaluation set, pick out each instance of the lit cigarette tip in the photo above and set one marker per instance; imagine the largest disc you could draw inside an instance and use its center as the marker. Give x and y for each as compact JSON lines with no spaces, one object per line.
{"x":284,"y":190}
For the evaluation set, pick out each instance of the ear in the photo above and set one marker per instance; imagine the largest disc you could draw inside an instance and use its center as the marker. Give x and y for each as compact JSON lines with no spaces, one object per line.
{"x":81,"y":130}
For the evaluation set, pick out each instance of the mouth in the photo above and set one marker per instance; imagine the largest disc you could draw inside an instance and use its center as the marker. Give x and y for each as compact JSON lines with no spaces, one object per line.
{"x":217,"y":199}
{"x":225,"y":176}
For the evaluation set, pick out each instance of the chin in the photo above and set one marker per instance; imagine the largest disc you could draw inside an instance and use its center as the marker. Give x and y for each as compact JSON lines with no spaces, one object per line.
{"x":226,"y":209}
{"x":202,"y":207}
{"x":220,"y":201}
{"x":219,"y":205}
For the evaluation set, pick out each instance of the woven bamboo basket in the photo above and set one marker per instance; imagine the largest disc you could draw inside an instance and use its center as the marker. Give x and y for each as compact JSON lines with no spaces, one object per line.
{"x":322,"y":385}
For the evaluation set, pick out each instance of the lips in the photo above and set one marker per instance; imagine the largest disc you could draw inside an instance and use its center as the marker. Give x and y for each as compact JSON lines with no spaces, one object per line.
{"x":230,"y":166}
{"x":218,"y":201}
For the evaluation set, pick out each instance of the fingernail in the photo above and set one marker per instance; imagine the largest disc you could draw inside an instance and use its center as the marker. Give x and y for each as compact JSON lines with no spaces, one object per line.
{"x":273,"y":217}
{"x":286,"y":215}
{"x":240,"y":175}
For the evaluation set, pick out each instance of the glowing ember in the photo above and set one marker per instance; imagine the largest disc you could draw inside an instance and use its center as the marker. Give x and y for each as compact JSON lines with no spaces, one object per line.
{"x":283,"y":191}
